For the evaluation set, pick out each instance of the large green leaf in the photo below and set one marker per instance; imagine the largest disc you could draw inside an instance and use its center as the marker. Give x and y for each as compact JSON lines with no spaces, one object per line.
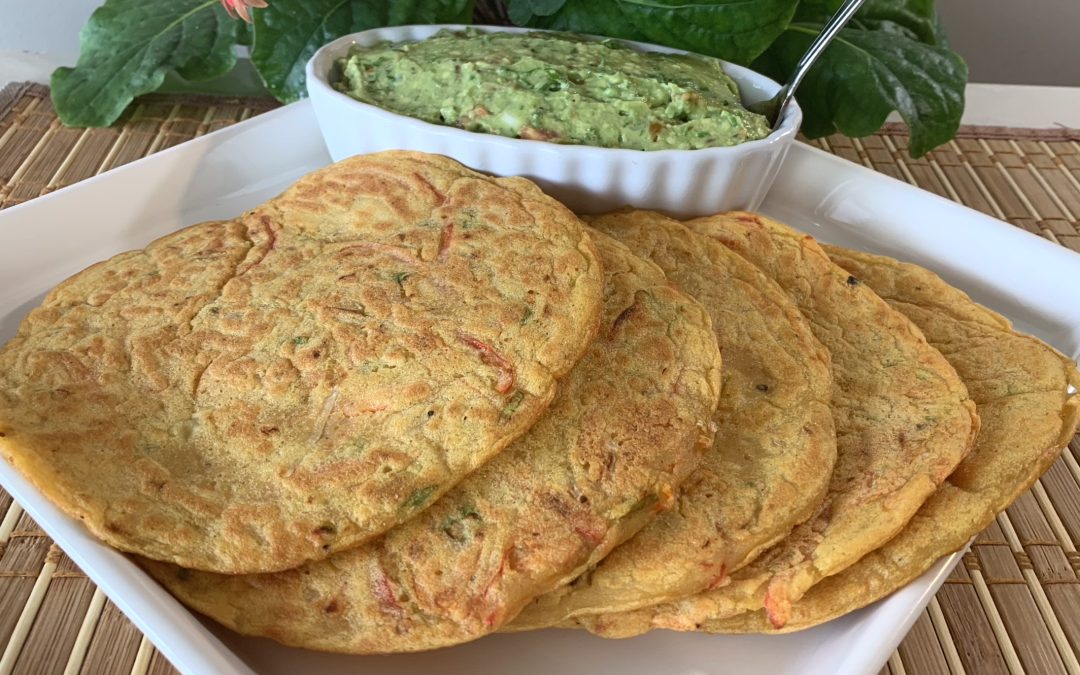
{"x":288,"y":32}
{"x":913,"y":18}
{"x":736,"y":30}
{"x":522,"y":12}
{"x":127,"y":47}
{"x":866,"y":74}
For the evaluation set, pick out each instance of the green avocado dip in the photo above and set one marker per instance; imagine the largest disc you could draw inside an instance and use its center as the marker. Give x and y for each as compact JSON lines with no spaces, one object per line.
{"x":553,"y":87}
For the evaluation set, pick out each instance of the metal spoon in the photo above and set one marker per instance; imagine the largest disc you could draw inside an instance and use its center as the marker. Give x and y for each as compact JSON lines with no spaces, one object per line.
{"x":773,"y":108}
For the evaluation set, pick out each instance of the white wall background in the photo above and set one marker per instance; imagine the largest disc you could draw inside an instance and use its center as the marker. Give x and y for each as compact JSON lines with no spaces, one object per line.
{"x":1016,"y":41}
{"x":1004,"y":41}
{"x":44,"y":26}
{"x":38,"y":35}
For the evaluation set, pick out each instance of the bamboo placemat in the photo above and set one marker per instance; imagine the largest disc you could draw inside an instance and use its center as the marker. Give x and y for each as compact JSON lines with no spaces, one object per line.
{"x":1013,"y":606}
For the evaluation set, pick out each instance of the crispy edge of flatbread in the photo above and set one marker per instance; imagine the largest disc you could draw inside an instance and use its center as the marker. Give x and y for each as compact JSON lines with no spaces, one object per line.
{"x":1022,"y":434}
{"x":775,"y":446}
{"x":768,"y":588}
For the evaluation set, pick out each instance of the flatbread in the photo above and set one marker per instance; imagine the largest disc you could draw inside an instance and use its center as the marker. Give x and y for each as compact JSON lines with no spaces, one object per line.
{"x":630,"y":421}
{"x":774,"y":449}
{"x":1020,"y":386}
{"x":904,"y":420}
{"x":249,"y":395}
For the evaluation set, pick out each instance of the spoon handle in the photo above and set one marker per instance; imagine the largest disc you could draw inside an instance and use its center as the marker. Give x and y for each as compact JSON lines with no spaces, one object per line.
{"x":838,"y":21}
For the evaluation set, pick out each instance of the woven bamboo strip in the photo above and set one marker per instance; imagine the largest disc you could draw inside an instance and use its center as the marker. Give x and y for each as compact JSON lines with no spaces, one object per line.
{"x":1010,"y":177}
{"x":999,"y":178}
{"x":69,"y":159}
{"x":861,"y":153}
{"x":109,"y":160}
{"x":29,"y":613}
{"x":1018,"y":611}
{"x":159,"y":665}
{"x":984,"y":190}
{"x":902,"y":167}
{"x":1062,"y":487}
{"x":96,"y":144}
{"x":162,"y":130}
{"x":950,"y":190}
{"x":1052,"y":517}
{"x":55,"y":146}
{"x":921,"y":652}
{"x":895,"y":664}
{"x":86,"y":631}
{"x":204,"y":124}
{"x":142,"y":657}
{"x":12,"y":95}
{"x":1029,"y":522}
{"x":979,"y":649}
{"x":56,"y":627}
{"x":23,"y":562}
{"x":9,"y":131}
{"x":1040,"y":178}
{"x":1049,"y":616}
{"x":7,"y":525}
{"x":996,"y":624}
{"x":1069,"y":176}
{"x":948,"y":645}
{"x":969,"y":185}
{"x":141,"y":133}
{"x":1073,"y":465}
{"x":114,"y":644}
{"x":5,"y":139}
{"x":21,"y":143}
{"x":41,"y":144}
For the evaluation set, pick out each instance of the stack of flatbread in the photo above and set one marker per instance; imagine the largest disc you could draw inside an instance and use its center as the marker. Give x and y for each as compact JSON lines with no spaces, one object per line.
{"x":404,"y":405}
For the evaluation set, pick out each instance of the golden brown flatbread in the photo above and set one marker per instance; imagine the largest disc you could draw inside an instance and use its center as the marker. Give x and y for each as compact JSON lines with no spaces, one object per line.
{"x":774,"y":450}
{"x":904,"y":420}
{"x":1021,"y":389}
{"x":630,"y":421}
{"x":249,"y":395}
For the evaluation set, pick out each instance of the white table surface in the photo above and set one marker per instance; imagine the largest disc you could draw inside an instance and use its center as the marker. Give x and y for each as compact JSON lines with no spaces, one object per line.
{"x":1018,"y":105}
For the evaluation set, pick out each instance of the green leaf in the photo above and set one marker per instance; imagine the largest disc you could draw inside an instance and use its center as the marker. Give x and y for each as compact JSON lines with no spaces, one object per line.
{"x":588,"y":16}
{"x":126,"y":48}
{"x":941,"y":39}
{"x":915,"y":19}
{"x":546,"y":7}
{"x":865,"y":74}
{"x":245,"y":34}
{"x":288,"y":32}
{"x":736,"y":30}
{"x":521,"y":12}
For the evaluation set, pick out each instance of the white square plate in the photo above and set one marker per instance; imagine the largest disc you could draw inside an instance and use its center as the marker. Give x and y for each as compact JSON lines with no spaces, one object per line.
{"x":44,"y":241}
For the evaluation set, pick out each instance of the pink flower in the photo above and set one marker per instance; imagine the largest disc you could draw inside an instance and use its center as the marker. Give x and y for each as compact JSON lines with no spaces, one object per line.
{"x":239,"y":8}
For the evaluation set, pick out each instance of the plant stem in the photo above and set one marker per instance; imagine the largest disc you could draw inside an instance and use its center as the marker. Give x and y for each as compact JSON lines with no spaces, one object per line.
{"x":491,"y":12}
